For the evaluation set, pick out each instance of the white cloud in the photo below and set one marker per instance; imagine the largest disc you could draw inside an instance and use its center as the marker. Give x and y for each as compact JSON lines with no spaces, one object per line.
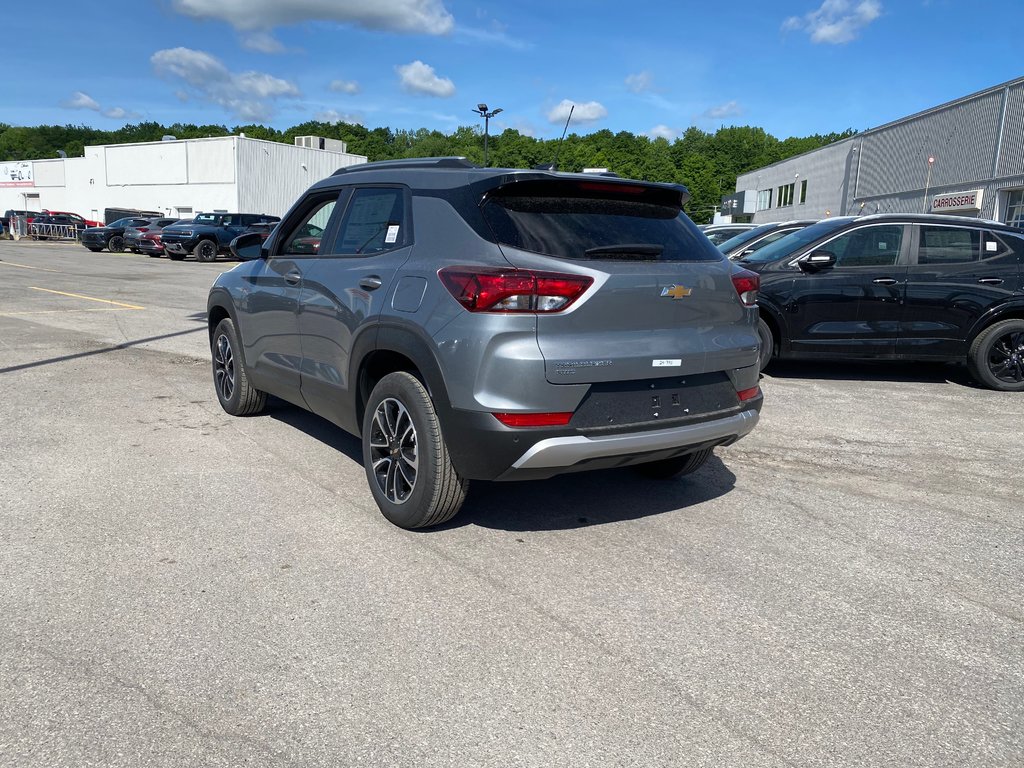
{"x":640,"y":82}
{"x":246,"y":95}
{"x":262,"y":42}
{"x":81,"y":100}
{"x":836,"y":21}
{"x":722,"y":111}
{"x":344,"y":86}
{"x":418,"y":77}
{"x":587,"y":112}
{"x":494,"y":36}
{"x":662,"y":131}
{"x":414,"y":16}
{"x":333,"y":116}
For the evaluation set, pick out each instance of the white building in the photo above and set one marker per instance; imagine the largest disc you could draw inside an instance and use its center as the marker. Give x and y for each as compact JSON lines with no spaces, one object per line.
{"x":175,"y":177}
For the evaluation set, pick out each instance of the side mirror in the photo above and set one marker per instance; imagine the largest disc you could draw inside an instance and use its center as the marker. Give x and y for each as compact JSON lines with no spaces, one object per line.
{"x":817,"y":261}
{"x":247,"y":247}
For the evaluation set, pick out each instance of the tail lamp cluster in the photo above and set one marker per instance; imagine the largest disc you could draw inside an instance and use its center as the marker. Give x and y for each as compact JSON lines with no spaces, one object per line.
{"x":513,"y":290}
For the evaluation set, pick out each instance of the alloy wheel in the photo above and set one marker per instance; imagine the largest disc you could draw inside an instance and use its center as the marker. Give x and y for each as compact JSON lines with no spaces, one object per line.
{"x":394,"y":451}
{"x":1006,"y":357}
{"x":224,"y":368}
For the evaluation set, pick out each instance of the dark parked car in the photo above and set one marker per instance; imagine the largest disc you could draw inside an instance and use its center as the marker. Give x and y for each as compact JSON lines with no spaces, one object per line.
{"x":133,"y":234}
{"x":111,"y":236}
{"x":719,"y":233}
{"x":491,"y":324}
{"x":210,"y":234}
{"x":52,"y":227}
{"x":76,"y":218}
{"x":751,"y":240}
{"x":29,"y":215}
{"x":897,"y":287}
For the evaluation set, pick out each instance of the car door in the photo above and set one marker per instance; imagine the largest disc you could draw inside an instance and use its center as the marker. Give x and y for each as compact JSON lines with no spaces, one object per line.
{"x":956,"y":274}
{"x":851,"y":309}
{"x":350,"y":278}
{"x":268,"y":316}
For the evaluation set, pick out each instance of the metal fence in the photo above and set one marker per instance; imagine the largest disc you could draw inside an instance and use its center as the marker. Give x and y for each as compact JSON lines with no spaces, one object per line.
{"x":53,"y":231}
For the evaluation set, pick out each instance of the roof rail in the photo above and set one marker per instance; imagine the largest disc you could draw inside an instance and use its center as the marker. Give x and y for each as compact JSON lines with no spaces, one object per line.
{"x":414,"y":162}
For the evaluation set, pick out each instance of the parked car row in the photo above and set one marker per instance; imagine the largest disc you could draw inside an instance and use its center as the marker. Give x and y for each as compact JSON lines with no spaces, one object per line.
{"x":891,"y":286}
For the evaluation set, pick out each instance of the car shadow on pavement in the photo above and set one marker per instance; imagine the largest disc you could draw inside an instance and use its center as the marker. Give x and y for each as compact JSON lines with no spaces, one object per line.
{"x":919,"y":372}
{"x":569,"y":501}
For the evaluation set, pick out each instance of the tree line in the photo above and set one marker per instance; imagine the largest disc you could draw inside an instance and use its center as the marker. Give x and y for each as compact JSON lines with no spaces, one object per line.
{"x":707,"y":163}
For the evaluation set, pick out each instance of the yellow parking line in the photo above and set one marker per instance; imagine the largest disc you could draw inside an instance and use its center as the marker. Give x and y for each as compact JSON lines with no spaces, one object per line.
{"x":26,"y":266}
{"x":64,"y":311}
{"x":90,"y":298}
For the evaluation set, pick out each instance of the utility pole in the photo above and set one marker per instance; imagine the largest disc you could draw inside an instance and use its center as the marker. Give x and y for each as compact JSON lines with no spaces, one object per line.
{"x":481,"y":109}
{"x":928,"y":183}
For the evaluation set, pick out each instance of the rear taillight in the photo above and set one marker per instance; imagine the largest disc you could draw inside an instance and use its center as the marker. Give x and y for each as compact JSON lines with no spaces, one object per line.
{"x":533,"y":419}
{"x":748,"y":394}
{"x":746,"y":284}
{"x":143,"y":229}
{"x":513,"y":290}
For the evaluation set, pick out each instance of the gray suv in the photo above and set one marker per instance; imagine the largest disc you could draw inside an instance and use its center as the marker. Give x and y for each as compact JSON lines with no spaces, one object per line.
{"x":491,"y":324}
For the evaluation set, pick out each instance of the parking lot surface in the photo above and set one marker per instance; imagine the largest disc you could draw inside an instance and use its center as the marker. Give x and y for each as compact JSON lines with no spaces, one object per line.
{"x":183,"y":588}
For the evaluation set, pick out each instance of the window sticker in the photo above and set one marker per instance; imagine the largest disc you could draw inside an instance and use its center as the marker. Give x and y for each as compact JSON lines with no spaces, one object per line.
{"x":392,"y":235}
{"x":991,"y":245}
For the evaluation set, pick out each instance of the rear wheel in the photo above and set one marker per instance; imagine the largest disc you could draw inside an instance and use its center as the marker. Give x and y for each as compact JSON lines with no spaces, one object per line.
{"x":236,"y":395}
{"x":411,"y":476}
{"x":764,"y":333}
{"x":206,"y":251}
{"x":677,"y":466}
{"x":996,"y":356}
{"x":115,"y":244}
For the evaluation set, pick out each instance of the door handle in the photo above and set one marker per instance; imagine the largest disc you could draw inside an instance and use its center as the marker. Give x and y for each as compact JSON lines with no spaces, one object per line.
{"x":293,"y":277}
{"x":884,"y":281}
{"x":991,"y":281}
{"x":371,"y":283}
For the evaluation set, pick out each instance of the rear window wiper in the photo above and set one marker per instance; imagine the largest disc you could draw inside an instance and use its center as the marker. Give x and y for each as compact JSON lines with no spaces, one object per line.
{"x":625,"y":249}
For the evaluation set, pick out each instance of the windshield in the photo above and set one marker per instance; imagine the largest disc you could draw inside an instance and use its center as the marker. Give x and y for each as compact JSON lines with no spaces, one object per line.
{"x":794,"y":241}
{"x":743,"y":238}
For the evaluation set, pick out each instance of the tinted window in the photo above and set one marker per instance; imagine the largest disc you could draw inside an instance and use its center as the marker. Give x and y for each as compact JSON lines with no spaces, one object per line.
{"x":584,"y":220}
{"x":121,"y":223}
{"x":374,"y":221}
{"x":305,"y":238}
{"x":206,"y":218}
{"x":948,"y":245}
{"x":794,"y":242}
{"x":867,"y":246}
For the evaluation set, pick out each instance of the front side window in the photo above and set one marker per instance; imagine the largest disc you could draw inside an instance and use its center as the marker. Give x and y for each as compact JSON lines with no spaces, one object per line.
{"x":867,"y":246}
{"x":305,"y":239}
{"x":374,"y":221}
{"x":948,"y":245}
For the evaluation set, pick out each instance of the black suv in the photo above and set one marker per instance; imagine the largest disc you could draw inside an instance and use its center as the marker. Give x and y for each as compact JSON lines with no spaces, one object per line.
{"x":491,"y":324}
{"x":210,"y":234}
{"x":897,"y":287}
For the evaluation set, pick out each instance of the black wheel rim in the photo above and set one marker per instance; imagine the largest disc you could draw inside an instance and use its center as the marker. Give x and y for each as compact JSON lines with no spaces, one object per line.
{"x":206,"y":252}
{"x":394,"y":452}
{"x":1006,"y":357}
{"x":224,"y":368}
{"x":116,"y":244}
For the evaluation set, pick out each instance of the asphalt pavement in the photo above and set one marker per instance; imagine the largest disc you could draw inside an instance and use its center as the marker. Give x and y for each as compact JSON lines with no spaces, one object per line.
{"x":179,"y":587}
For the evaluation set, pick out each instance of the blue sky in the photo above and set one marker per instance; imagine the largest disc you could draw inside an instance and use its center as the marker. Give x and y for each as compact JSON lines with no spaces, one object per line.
{"x":793,"y":67}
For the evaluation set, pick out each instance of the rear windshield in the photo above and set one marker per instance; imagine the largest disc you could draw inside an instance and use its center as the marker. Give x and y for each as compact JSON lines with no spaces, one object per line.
{"x":596,"y":221}
{"x":794,"y":241}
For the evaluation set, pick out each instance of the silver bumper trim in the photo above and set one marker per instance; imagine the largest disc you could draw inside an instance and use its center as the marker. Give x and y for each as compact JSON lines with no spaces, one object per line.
{"x":566,"y":451}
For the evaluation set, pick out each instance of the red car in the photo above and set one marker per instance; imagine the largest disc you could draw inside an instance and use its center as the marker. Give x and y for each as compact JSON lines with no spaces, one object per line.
{"x":78,"y":219}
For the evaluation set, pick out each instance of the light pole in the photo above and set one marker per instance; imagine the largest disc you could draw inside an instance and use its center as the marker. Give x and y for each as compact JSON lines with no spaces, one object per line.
{"x":481,"y":109}
{"x":927,"y":183}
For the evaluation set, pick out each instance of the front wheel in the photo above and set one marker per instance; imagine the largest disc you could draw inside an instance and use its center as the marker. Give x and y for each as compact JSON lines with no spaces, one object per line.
{"x":206,"y":251}
{"x":677,"y":466}
{"x":410,"y":473}
{"x":236,"y":395}
{"x":115,"y":244}
{"x":996,"y":356}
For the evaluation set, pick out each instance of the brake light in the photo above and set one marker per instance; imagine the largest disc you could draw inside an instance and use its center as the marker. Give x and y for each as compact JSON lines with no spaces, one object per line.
{"x":533,"y":419}
{"x":748,"y":394}
{"x":143,"y":229}
{"x":513,"y":290}
{"x":747,"y":284}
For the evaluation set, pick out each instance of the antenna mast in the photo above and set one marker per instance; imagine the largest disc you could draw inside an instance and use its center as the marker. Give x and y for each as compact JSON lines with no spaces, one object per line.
{"x":559,"y":146}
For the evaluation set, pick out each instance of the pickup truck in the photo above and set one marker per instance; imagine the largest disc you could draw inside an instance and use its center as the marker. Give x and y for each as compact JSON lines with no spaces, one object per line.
{"x":209,"y":234}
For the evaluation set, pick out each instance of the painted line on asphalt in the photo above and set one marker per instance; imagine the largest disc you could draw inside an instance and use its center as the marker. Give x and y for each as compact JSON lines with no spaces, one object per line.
{"x":90,"y":298}
{"x":26,"y":266}
{"x":64,"y":311}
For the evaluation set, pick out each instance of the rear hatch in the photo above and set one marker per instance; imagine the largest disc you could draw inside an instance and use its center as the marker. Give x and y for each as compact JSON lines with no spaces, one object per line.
{"x":662,"y":304}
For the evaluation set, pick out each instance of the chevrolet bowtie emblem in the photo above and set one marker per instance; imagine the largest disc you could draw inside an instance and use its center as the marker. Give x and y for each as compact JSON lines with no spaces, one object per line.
{"x":676,"y":291}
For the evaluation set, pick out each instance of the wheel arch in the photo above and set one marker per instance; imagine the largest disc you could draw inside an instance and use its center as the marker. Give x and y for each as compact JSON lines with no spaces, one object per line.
{"x":1009,"y":311}
{"x":774,"y":322}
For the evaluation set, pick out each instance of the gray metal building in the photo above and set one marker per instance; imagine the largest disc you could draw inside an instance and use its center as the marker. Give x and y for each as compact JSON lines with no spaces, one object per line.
{"x":965,"y":157}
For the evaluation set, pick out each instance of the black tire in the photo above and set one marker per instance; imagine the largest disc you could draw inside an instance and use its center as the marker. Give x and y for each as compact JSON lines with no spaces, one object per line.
{"x":115,"y":244}
{"x":230,"y":380}
{"x":996,"y":356}
{"x":205,"y":251}
{"x":764,"y":333}
{"x":176,"y":256}
{"x":677,"y":466}
{"x":402,"y":434}
{"x":95,"y":250}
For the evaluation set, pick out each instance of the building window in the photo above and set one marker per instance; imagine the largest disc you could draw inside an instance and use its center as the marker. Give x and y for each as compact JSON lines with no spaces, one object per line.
{"x":786,"y":195}
{"x":764,"y":199}
{"x":803,"y":191}
{"x":1014,"y":208}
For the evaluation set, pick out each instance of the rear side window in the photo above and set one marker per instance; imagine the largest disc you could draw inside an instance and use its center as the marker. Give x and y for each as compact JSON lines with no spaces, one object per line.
{"x":948,"y":245}
{"x":596,"y":221}
{"x":374,"y":221}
